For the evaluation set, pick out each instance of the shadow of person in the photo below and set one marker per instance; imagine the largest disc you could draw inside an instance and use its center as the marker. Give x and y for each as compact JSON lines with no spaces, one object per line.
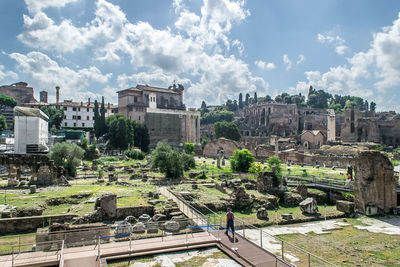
{"x":231,"y":239}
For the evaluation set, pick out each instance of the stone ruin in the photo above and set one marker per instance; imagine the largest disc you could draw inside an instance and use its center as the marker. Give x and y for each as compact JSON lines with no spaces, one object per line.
{"x":309,"y":206}
{"x":374,"y":183}
{"x":267,"y":181}
{"x":43,"y":170}
{"x":241,"y":200}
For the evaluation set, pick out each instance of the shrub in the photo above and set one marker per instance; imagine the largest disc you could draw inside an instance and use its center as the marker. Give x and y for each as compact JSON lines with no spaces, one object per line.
{"x":102,"y":160}
{"x":275,"y":162}
{"x":228,"y":130}
{"x":188,"y":148}
{"x":135,"y":154}
{"x":201,"y":176}
{"x":256,"y":167}
{"x":67,"y":155}
{"x":171,"y":162}
{"x":241,"y":160}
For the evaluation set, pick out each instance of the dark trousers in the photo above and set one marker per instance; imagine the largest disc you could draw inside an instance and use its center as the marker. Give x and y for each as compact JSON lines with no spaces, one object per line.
{"x":231,"y":226}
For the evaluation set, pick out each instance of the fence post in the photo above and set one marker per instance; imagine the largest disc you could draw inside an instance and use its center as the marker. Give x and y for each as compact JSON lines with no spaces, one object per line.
{"x":130,"y":243}
{"x":12,"y":256}
{"x":283,"y":258}
{"x":244,"y":233}
{"x":98,"y":252}
{"x":261,"y":238}
{"x":309,"y":260}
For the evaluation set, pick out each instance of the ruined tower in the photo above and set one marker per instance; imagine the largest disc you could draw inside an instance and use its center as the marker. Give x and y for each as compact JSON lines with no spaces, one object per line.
{"x":58,"y":95}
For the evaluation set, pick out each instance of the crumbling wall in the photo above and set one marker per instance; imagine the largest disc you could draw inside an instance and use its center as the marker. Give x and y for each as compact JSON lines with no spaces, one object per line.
{"x":374,"y":182}
{"x":228,"y":146}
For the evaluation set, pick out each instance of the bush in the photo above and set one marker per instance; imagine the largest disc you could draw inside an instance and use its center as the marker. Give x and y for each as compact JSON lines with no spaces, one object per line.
{"x":275,"y":162}
{"x":67,"y":155}
{"x":201,"y":176}
{"x":171,"y":162}
{"x":135,"y":154}
{"x":188,"y":148}
{"x":188,"y":161}
{"x":241,"y":160}
{"x":256,"y":167}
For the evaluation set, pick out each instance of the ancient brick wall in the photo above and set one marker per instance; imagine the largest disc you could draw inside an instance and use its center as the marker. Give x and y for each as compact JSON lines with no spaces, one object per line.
{"x":228,"y":146}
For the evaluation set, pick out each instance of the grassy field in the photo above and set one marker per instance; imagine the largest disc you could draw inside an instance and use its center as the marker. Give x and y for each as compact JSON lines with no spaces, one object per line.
{"x":350,"y":246}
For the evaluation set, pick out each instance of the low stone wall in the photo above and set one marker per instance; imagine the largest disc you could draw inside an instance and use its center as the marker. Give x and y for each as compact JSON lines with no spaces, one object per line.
{"x":76,"y":235}
{"x":24,"y":224}
{"x":228,"y":146}
{"x":123,"y":212}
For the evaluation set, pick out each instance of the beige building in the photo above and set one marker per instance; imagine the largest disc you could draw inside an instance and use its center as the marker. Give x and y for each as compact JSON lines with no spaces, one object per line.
{"x":163,"y":112}
{"x":312,"y":139}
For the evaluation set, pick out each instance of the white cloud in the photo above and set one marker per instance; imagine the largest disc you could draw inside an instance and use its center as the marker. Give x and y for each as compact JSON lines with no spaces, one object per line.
{"x":287,"y":62}
{"x":264,"y":65}
{"x":43,"y":72}
{"x":7,"y":73}
{"x":301,"y":59}
{"x":35,"y":6}
{"x":199,"y":49}
{"x":334,"y":40}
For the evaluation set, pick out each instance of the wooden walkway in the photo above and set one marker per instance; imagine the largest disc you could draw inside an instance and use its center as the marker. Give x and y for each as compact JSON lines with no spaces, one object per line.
{"x":87,"y":256}
{"x":246,"y":252}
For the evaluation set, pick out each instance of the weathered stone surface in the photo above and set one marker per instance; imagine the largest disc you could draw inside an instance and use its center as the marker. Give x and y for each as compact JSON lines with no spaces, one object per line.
{"x":159,"y":217}
{"x":144,"y":218}
{"x":108,"y":203}
{"x":123,"y":227}
{"x":171,"y":226}
{"x":302,"y":190}
{"x":139,"y":228}
{"x":345,"y":206}
{"x":227,"y":146}
{"x":182,"y":220}
{"x":374,"y":182}
{"x":292,"y":199}
{"x":187,"y":195}
{"x":241,"y":199}
{"x":309,"y":206}
{"x":32,"y":189}
{"x":287,"y":216}
{"x":152,"y":227}
{"x":27,"y":212}
{"x":131,"y":219}
{"x":262,"y":214}
{"x":266,"y":181}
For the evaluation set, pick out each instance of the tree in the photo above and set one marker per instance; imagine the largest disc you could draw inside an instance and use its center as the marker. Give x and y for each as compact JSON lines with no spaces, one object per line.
{"x":241,"y":160}
{"x":67,"y":155}
{"x":203,"y":105}
{"x":188,"y":148}
{"x":255,"y":98}
{"x":215,"y":116}
{"x":96,"y":119}
{"x":8,"y":101}
{"x":102,"y":124}
{"x":121,"y":132}
{"x":372,"y":106}
{"x":170,"y":161}
{"x":3,"y":123}
{"x":318,"y":99}
{"x":56,"y":116}
{"x":141,"y":137}
{"x":228,"y":130}
{"x":246,"y":103}
{"x":274,"y":164}
{"x":240,"y":101}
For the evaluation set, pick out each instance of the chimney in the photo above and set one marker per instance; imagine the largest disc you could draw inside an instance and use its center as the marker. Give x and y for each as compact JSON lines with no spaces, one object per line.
{"x":43,"y":96}
{"x":108,"y":105}
{"x":89,"y":100}
{"x":57,"y":95}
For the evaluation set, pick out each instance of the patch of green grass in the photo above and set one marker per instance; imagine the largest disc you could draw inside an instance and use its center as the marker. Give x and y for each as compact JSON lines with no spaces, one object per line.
{"x":350,"y":246}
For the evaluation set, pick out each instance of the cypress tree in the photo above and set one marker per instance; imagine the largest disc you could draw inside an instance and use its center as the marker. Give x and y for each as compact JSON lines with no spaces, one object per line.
{"x":102,"y":123}
{"x":96,"y":119}
{"x":240,"y":100}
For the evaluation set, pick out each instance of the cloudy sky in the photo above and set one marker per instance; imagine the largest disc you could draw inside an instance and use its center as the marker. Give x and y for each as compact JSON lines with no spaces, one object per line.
{"x":215,"y":48}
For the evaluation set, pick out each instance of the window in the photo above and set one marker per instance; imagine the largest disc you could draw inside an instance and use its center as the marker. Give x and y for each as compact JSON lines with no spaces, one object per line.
{"x":87,"y":118}
{"x":74,"y":124}
{"x":83,"y":124}
{"x":92,"y":118}
{"x":139,"y":118}
{"x":79,"y":109}
{"x":79,"y":117}
{"x":65,"y":108}
{"x":135,"y":99}
{"x":87,"y":109}
{"x":65,"y":117}
{"x":65,"y":124}
{"x":73,"y":117}
{"x":73,"y":109}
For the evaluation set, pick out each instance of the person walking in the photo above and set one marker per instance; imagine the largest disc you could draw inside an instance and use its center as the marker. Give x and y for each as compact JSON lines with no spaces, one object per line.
{"x":229,"y":222}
